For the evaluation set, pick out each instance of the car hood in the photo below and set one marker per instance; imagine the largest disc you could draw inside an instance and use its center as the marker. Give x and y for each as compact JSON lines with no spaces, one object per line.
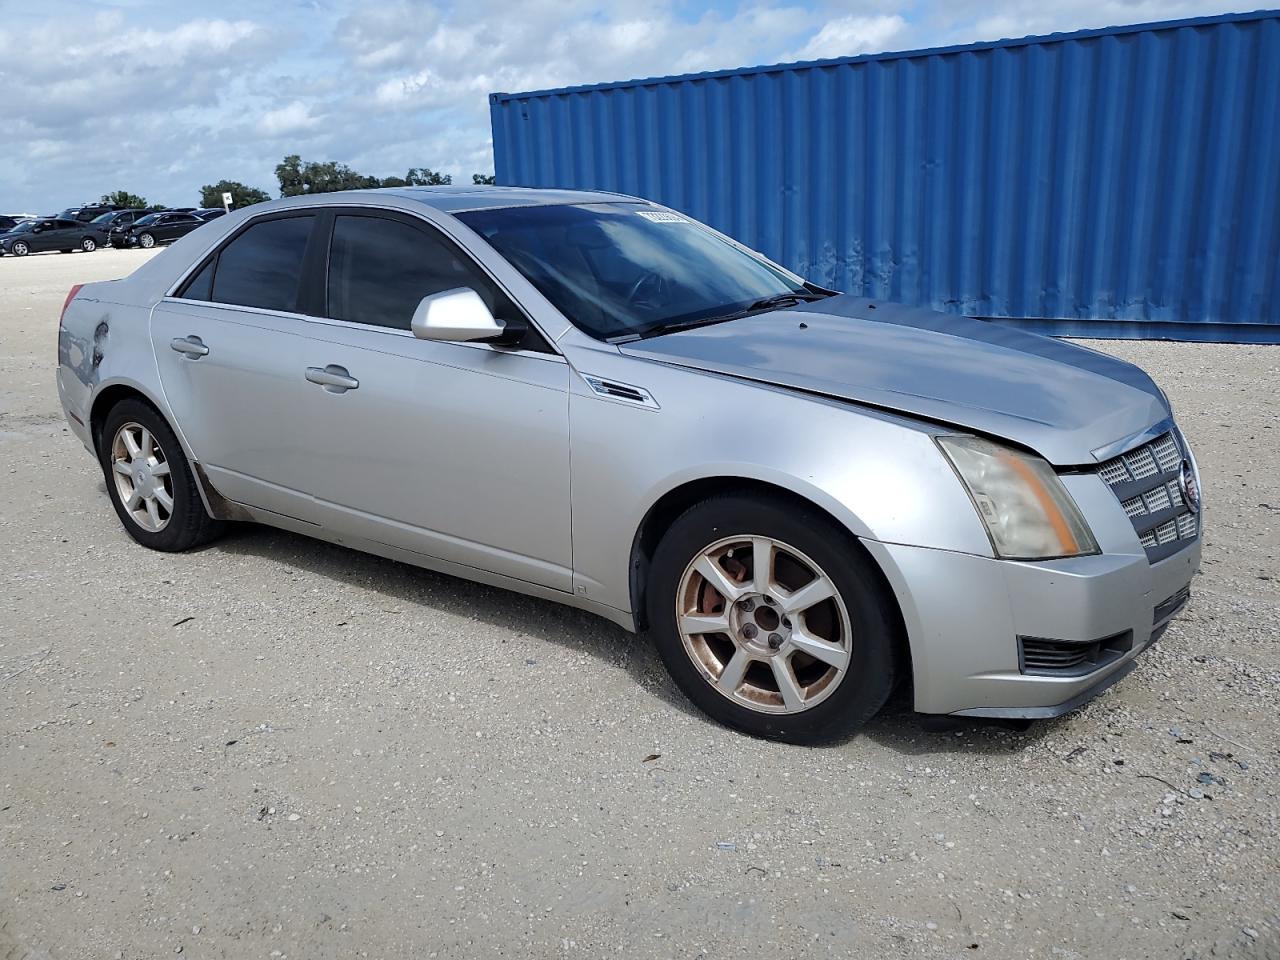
{"x":1061,"y":400}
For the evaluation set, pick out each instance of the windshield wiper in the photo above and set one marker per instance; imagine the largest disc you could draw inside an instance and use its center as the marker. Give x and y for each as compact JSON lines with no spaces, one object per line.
{"x":789,"y":298}
{"x":673,"y":327}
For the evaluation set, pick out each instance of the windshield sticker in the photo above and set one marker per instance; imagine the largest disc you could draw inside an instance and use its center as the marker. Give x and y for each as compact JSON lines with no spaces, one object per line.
{"x":658,"y":216}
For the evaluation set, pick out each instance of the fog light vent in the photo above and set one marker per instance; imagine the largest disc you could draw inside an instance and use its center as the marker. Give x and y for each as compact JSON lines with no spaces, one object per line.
{"x":1070,"y":658}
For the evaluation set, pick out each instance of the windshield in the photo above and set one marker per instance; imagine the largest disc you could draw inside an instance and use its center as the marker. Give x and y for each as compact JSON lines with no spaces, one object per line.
{"x":621,"y":270}
{"x":103,"y":217}
{"x":24,"y":226}
{"x":143,"y":221}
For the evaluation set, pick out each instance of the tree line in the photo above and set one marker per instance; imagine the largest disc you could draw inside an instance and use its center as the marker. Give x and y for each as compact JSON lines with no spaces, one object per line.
{"x":298,"y":177}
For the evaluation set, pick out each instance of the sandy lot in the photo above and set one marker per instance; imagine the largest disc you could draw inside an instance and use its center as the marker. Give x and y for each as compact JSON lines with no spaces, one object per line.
{"x":278,"y":748}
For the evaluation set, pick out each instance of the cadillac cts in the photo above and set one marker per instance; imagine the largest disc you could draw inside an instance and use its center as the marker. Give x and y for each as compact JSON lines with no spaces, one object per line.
{"x":804,"y":496}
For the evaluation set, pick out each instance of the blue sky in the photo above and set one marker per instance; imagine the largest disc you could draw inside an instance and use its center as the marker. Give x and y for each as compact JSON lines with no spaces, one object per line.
{"x":162,"y":96}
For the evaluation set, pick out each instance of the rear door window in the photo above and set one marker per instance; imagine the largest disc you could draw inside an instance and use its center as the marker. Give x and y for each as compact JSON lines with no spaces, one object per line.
{"x":262,"y":266}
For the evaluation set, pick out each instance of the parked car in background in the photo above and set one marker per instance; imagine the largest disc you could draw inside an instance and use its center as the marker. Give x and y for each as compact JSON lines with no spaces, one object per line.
{"x":9,"y":221}
{"x":88,"y":212}
{"x":210,"y":213}
{"x":163,"y":227}
{"x":803,"y":495}
{"x":49,"y":233}
{"x":117,"y":220}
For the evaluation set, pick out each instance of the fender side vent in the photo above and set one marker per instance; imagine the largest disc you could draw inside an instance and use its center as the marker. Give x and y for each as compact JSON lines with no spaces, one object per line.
{"x":625,"y":392}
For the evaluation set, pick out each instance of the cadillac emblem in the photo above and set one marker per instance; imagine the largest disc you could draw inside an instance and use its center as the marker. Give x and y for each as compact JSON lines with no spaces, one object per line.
{"x":1190,"y":489}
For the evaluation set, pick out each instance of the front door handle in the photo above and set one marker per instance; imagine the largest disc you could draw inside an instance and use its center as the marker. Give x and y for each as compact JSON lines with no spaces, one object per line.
{"x":192,"y":346}
{"x":333,"y":378}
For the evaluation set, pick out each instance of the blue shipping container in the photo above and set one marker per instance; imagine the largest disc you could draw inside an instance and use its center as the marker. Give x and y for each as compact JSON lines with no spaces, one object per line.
{"x":1118,"y":182}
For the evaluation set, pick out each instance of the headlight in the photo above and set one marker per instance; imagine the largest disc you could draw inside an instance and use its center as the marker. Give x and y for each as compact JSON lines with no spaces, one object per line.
{"x":1027,"y":511}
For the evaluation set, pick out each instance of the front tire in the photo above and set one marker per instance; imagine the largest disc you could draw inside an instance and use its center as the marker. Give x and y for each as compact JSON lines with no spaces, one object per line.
{"x":19,"y":249}
{"x":150,"y":482}
{"x":146,"y":241}
{"x":772,"y":619}
{"x":88,"y":245}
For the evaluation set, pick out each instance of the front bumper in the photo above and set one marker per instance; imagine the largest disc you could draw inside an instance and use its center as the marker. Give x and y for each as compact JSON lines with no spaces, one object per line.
{"x":965,"y":615}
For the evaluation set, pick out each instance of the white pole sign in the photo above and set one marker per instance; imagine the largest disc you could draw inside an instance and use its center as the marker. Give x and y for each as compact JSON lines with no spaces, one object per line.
{"x":226,"y":202}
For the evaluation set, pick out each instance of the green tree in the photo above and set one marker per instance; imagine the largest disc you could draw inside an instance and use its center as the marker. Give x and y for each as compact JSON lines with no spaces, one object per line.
{"x":484,"y":179}
{"x":298,"y":177}
{"x":241,"y":196}
{"x":425,"y":177}
{"x":123,"y":198}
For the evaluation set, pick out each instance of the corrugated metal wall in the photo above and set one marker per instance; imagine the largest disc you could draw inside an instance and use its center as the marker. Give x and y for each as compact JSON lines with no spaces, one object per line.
{"x":1128,"y":175}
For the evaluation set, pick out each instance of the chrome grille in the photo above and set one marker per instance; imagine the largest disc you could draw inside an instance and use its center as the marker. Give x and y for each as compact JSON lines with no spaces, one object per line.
{"x":1145,"y":480}
{"x":1167,"y":453}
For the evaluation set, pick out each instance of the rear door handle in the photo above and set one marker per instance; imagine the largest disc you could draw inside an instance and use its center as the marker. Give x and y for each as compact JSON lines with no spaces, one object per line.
{"x":333,"y":378}
{"x":191,"y":345}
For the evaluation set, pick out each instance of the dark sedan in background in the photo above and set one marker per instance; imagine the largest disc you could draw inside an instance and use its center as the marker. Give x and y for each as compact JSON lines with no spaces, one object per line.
{"x":49,"y":233}
{"x":117,"y":221}
{"x":156,"y":228}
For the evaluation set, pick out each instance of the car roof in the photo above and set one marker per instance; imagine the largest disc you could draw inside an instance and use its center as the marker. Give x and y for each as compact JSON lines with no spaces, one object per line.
{"x":455,"y":199}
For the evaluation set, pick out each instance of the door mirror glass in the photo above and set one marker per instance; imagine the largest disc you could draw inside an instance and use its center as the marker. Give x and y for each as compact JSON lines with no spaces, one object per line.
{"x":460,"y":315}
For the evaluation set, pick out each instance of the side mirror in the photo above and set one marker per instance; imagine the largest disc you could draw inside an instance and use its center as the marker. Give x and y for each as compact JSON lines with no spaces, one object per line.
{"x":459,"y":315}
{"x":38,"y":228}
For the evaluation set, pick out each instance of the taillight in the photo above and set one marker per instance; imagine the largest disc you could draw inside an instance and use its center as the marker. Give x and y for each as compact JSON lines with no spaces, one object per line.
{"x":67,"y":302}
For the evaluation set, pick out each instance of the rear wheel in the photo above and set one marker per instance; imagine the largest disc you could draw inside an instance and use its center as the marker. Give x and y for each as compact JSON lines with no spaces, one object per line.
{"x":150,"y":482}
{"x":771,"y":619}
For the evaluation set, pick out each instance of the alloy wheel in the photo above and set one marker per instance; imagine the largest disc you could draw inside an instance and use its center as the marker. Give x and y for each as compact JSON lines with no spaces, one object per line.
{"x":88,"y":245}
{"x":146,"y":241}
{"x":764,"y":624}
{"x":141,"y":473}
{"x":19,"y":249}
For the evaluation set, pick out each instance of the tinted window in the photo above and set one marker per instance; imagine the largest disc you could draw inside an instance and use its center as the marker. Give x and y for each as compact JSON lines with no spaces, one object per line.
{"x":68,"y":224}
{"x":379,"y":269}
{"x":200,"y":287}
{"x":262,"y":266}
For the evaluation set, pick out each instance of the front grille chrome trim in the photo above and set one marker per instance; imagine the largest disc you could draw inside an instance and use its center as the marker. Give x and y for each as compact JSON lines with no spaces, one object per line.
{"x":1145,"y":479}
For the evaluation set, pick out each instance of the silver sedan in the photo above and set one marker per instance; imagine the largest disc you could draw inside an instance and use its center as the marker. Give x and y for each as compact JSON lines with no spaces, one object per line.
{"x":805,"y":497}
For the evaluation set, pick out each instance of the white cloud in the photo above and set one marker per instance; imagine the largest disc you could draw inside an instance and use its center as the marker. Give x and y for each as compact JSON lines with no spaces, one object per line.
{"x":850,"y":36}
{"x":291,"y":118}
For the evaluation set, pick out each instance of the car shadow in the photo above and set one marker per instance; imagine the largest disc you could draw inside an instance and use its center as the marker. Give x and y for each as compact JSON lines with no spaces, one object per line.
{"x":897,"y":727}
{"x":576,"y":630}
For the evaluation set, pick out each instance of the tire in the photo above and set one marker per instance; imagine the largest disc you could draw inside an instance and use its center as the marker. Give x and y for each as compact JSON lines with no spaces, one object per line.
{"x":186,"y":524}
{"x":19,"y":249}
{"x":805,"y":549}
{"x":88,"y":244}
{"x":146,"y":241}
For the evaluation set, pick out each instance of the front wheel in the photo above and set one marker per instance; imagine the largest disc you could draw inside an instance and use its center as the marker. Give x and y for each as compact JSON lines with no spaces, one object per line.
{"x":146,"y":241}
{"x":88,"y":245}
{"x":19,"y":248}
{"x":150,"y":482}
{"x":772,"y":619}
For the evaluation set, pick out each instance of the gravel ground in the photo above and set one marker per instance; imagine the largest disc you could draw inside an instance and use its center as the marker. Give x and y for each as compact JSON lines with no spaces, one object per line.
{"x":278,"y":748}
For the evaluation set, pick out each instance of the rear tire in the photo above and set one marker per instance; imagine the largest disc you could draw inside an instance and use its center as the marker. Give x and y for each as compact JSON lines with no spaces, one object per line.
{"x":140,"y":455}
{"x":814,"y":671}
